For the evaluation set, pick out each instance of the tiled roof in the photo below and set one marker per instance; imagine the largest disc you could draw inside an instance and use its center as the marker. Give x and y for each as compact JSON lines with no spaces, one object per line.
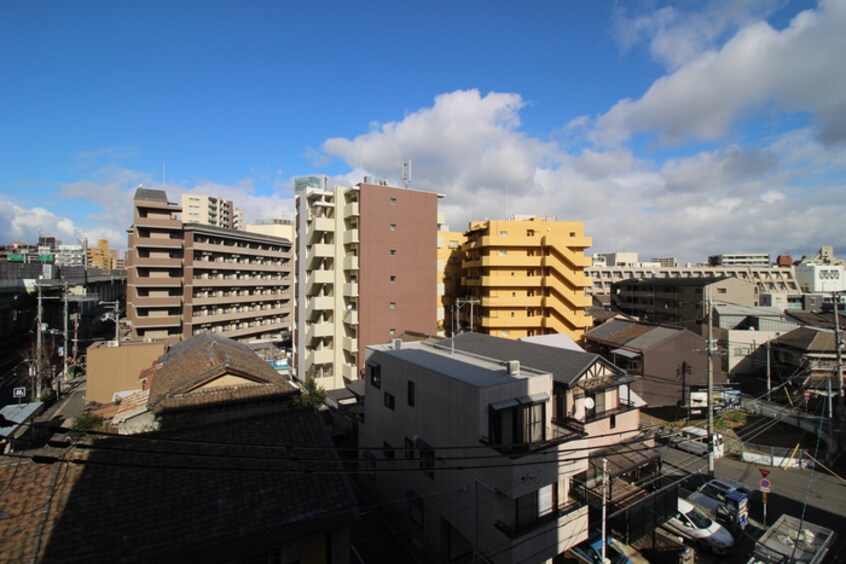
{"x":130,"y":406}
{"x":808,"y":339}
{"x":566,"y":366}
{"x":653,"y":337}
{"x":632,"y":335}
{"x":147,"y":194}
{"x":217,"y":497}
{"x":192,"y":363}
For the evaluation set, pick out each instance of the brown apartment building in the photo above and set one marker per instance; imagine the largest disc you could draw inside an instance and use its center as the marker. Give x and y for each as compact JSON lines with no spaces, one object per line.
{"x":186,"y":278}
{"x":366,"y":258}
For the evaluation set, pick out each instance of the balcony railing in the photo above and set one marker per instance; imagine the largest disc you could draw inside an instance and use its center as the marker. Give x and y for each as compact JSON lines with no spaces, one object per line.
{"x":514,"y":531}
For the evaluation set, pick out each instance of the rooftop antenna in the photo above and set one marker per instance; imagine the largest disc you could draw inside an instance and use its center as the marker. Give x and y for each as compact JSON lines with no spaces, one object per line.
{"x":406,"y":172}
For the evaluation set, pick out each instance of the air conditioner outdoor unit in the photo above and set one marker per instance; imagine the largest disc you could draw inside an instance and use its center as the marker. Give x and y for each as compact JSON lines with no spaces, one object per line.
{"x":396,"y":344}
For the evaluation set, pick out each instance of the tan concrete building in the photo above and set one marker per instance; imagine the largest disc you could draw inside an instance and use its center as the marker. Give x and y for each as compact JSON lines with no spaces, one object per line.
{"x":448,"y":277}
{"x":276,"y":227}
{"x":111,"y":369}
{"x":527,"y":277}
{"x":184,"y":279}
{"x":104,"y":257}
{"x":208,"y":210}
{"x":365,"y":259}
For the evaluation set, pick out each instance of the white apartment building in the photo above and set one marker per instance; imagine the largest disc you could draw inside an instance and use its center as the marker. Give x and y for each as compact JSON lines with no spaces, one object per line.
{"x":365,"y":274}
{"x":209,"y":210}
{"x":485,"y":438}
{"x":770,"y":279}
{"x":758,"y":260}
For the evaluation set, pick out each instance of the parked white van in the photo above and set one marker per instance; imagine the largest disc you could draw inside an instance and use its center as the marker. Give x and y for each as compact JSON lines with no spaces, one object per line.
{"x":695,"y":440}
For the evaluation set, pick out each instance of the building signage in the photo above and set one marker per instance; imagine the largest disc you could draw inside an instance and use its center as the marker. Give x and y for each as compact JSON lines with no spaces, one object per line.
{"x":19,"y":392}
{"x":829,"y":274}
{"x":725,"y":398}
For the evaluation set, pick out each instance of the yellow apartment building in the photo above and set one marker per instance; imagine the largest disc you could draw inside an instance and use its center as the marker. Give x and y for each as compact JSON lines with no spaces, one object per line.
{"x":525,"y":276}
{"x":104,"y":257}
{"x":448,"y":276}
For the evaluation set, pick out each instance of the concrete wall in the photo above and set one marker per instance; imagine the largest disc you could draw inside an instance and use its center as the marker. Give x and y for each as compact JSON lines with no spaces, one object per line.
{"x":112,"y":369}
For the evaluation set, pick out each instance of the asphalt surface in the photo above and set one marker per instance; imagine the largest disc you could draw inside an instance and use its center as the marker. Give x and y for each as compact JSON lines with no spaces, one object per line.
{"x":817,"y":494}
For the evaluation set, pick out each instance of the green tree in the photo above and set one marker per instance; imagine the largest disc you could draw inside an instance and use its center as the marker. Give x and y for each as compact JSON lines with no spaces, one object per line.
{"x":312,"y":395}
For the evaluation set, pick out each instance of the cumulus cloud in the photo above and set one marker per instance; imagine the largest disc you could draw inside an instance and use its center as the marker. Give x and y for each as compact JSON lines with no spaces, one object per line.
{"x":689,"y":206}
{"x":797,"y":69}
{"x":677,"y":36}
{"x":18,"y":223}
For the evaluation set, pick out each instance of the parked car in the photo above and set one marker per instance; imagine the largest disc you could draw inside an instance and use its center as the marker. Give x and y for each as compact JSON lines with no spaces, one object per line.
{"x":724,"y":500}
{"x":690,"y":523}
{"x":590,"y":551}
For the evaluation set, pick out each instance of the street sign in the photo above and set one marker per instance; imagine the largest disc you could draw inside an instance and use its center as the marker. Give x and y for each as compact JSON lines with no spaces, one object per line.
{"x":765,"y":485}
{"x":18,"y":392}
{"x":764,"y":472}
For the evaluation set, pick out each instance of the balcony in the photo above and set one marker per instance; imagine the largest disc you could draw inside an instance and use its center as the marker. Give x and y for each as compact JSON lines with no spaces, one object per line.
{"x":164,"y":282}
{"x":323,"y":224}
{"x":351,"y":237}
{"x":319,"y":330}
{"x":321,"y":250}
{"x":159,"y":223}
{"x":351,"y":344}
{"x":350,"y":290}
{"x":349,"y":372}
{"x":163,"y":321}
{"x":321,"y":303}
{"x":151,"y":262}
{"x":351,"y":317}
{"x":321,"y":356}
{"x":166,"y":301}
{"x":156,"y":242}
{"x":571,"y":508}
{"x":351,"y":210}
{"x":350,"y":263}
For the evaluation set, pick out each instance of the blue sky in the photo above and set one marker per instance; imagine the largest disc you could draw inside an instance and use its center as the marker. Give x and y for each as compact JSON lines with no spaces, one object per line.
{"x":669,"y":128}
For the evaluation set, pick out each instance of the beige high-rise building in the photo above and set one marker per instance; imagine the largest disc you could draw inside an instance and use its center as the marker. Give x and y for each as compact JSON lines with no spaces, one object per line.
{"x":186,"y":278}
{"x":525,"y":277}
{"x":276,"y":227}
{"x":208,"y":210}
{"x":365,"y":274}
{"x":104,"y":257}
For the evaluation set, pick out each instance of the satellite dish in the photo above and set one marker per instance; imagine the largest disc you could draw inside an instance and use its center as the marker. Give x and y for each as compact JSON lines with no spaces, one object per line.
{"x":589,"y":403}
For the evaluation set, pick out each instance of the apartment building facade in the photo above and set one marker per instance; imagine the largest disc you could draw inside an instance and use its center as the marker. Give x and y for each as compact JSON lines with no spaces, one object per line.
{"x":209,"y":210}
{"x":527,"y":275}
{"x":104,"y":257}
{"x":680,"y":301}
{"x":768,"y":279}
{"x":491,"y":434}
{"x":184,"y":279}
{"x":364,"y":274}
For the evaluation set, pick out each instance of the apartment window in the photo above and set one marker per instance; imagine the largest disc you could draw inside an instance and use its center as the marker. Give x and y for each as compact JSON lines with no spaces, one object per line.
{"x":392,"y":305}
{"x":393,"y":227}
{"x":612,"y":421}
{"x":393,"y":278}
{"x":721,"y":290}
{"x":393,"y":201}
{"x":392,"y":252}
{"x":389,"y":401}
{"x":411,"y":393}
{"x":517,"y":422}
{"x":392,"y":331}
{"x":409,"y":449}
{"x":572,"y":233}
{"x":374,"y":372}
{"x":388,"y":450}
{"x":503,"y":233}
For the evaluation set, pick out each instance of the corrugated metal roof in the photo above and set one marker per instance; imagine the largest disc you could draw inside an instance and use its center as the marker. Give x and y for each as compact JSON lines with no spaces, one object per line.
{"x":559,"y":340}
{"x":757,"y":311}
{"x":653,"y":337}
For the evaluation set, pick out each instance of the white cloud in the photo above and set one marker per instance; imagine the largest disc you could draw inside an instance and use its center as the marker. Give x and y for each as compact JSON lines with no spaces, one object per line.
{"x":18,"y":223}
{"x":689,"y":206}
{"x":798,"y":69}
{"x":677,"y":36}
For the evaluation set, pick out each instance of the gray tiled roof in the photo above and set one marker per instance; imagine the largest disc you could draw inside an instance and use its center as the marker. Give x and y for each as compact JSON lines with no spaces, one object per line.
{"x":604,"y":331}
{"x":566,"y":366}
{"x":147,"y":194}
{"x":651,"y":338}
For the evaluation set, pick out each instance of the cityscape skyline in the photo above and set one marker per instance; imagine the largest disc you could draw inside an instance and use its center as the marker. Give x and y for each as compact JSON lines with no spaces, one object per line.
{"x":669,"y":130}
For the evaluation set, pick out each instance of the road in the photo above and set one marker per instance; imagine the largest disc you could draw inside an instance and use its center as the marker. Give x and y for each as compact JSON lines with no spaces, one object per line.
{"x":790,"y":490}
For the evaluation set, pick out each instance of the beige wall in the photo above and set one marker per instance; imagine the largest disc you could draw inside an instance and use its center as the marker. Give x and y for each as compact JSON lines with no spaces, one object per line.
{"x":112,"y":369}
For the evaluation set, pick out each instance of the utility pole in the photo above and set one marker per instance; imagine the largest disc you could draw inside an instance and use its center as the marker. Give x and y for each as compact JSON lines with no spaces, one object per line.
{"x":710,"y":399}
{"x":838,"y":350}
{"x":36,"y":389}
{"x":604,"y":504}
{"x":769,"y":382}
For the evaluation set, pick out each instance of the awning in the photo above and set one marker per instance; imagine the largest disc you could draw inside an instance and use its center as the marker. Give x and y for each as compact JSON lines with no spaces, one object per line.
{"x":625,"y":353}
{"x":625,"y":457}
